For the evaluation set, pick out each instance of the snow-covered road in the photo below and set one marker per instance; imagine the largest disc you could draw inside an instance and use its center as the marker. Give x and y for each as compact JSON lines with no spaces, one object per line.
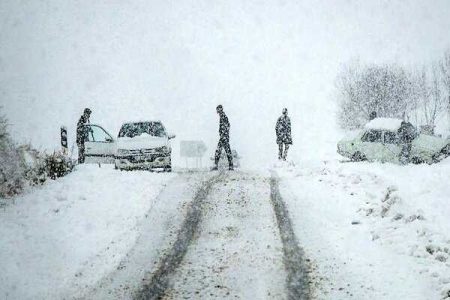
{"x":237,"y":252}
{"x":104,"y":234}
{"x":324,"y":230}
{"x":232,"y":240}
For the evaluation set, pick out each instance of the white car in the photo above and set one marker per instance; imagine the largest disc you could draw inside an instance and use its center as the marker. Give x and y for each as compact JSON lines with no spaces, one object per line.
{"x":139,"y":145}
{"x":380,"y":141}
{"x":144,"y":145}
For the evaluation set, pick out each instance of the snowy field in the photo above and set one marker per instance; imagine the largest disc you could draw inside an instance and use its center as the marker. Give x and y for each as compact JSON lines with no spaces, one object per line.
{"x":372,"y":231}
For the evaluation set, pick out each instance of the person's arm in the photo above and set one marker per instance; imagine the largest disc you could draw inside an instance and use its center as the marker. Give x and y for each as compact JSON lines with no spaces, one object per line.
{"x":289,"y":125}
{"x":226,"y":123}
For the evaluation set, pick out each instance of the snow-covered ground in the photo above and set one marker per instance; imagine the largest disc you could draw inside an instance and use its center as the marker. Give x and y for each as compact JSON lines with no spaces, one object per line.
{"x":372,"y":231}
{"x":70,"y":233}
{"x":369,"y":231}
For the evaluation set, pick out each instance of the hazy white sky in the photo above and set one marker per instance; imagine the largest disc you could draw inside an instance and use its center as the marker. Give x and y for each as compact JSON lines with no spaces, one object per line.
{"x":176,"y":60}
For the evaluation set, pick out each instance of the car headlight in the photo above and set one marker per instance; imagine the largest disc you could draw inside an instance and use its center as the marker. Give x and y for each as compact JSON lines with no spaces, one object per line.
{"x":123,"y":152}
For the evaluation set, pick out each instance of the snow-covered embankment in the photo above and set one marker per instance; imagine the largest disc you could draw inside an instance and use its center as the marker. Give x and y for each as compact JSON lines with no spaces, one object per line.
{"x":373,"y":231}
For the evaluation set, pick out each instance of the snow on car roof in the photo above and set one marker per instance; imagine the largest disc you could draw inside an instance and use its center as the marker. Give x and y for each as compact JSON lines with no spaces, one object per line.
{"x":389,"y":124}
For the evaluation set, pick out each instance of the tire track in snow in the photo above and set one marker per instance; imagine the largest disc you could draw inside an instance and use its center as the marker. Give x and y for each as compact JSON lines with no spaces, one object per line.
{"x":237,"y":252}
{"x":297,"y":282}
{"x":160,"y":279}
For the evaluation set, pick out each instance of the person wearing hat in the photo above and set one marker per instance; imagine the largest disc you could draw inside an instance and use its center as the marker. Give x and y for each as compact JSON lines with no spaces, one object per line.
{"x":82,"y":133}
{"x":283,"y":132}
{"x":224,"y":139}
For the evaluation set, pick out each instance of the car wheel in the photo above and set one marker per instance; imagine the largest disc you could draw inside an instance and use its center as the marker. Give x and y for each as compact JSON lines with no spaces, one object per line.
{"x":446,"y":150}
{"x":358,"y":156}
{"x":417,"y":160}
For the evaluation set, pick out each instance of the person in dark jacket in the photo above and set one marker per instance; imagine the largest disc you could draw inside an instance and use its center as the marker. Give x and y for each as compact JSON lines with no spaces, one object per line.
{"x":82,"y":134}
{"x":224,"y":139}
{"x":283,"y":132}
{"x":406,"y":133}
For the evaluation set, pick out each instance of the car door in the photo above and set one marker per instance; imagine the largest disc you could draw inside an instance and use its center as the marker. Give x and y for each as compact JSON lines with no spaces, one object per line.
{"x":99,"y":146}
{"x":372,"y":145}
{"x":392,"y":146}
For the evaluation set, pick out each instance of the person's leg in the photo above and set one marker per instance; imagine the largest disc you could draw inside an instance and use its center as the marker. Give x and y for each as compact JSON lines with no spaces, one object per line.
{"x":408,"y":153}
{"x":286,"y":148}
{"x":228,"y":152}
{"x":218,"y":153}
{"x":280,"y":151}
{"x":403,"y":154}
{"x":81,"y":153}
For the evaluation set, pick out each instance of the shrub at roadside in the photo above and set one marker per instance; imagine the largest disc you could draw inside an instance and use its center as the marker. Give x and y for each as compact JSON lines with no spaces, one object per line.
{"x":22,"y":165}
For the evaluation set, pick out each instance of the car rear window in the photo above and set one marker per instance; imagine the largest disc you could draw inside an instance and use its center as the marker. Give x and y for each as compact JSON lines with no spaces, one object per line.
{"x":132,"y":130}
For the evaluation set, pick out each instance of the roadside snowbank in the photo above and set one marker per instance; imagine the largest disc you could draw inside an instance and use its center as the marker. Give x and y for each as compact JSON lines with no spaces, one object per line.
{"x":86,"y":220}
{"x":373,"y":231}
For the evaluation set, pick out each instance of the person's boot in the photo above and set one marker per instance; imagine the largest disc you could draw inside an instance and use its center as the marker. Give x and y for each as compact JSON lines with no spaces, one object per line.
{"x":215,"y":168}
{"x":231,"y":168}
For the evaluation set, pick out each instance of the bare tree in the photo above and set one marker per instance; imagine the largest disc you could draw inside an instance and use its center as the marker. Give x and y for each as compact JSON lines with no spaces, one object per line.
{"x":445,"y":68}
{"x":385,"y":90}
{"x":434,"y":104}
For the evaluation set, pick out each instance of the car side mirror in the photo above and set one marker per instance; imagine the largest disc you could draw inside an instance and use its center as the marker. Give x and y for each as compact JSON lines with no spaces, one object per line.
{"x":171,"y":136}
{"x":109,"y":140}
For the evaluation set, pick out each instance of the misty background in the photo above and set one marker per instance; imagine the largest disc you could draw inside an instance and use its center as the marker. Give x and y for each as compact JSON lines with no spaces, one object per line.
{"x":176,"y":60}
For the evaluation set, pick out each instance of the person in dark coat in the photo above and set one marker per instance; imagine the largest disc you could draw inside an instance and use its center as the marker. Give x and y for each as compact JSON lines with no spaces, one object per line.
{"x":82,"y":133}
{"x":406,"y":133}
{"x":224,"y":139}
{"x":283,"y":131}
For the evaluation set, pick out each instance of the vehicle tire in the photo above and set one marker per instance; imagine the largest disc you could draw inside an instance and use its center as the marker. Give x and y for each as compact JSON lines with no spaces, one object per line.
{"x":168,"y":169}
{"x":358,"y":156}
{"x":417,"y":160}
{"x":446,"y":150}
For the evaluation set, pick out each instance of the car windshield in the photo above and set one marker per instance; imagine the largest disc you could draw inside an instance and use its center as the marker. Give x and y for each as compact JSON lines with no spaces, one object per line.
{"x":372,"y":136}
{"x":132,"y":130}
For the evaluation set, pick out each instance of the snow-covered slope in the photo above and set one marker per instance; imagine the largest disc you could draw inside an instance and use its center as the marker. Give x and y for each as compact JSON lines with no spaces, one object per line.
{"x":373,"y":231}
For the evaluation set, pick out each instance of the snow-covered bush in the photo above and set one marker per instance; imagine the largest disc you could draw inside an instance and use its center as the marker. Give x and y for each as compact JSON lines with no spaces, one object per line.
{"x":57,"y":165}
{"x":11,"y":163}
{"x":22,"y":165}
{"x":35,"y":167}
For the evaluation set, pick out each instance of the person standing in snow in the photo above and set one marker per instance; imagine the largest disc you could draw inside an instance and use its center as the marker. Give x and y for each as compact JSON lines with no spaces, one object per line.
{"x":224,"y":139}
{"x":82,"y":133}
{"x":406,"y":133}
{"x":283,"y":132}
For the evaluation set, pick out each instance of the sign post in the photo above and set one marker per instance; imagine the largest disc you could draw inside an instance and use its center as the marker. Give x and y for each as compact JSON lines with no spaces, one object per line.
{"x":193,"y":149}
{"x":64,"y":144}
